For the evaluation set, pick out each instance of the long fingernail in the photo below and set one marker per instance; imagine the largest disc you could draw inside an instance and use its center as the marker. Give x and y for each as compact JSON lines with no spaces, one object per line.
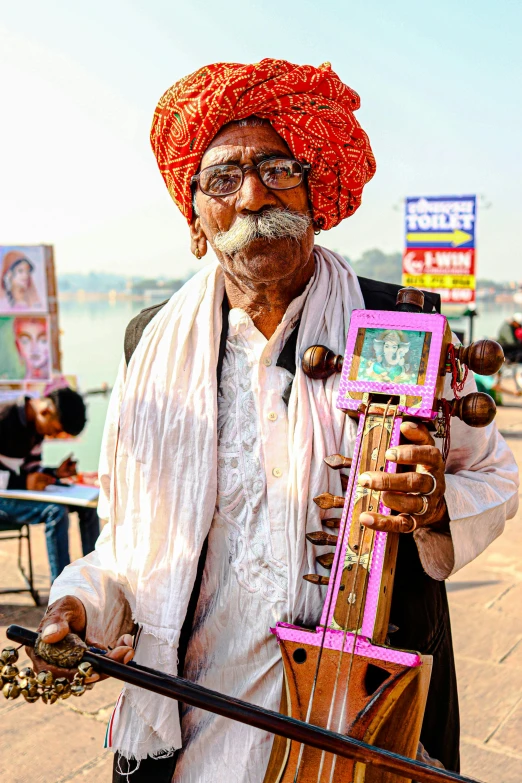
{"x":391,"y":455}
{"x":366,"y":519}
{"x":49,"y":630}
{"x":364,"y":480}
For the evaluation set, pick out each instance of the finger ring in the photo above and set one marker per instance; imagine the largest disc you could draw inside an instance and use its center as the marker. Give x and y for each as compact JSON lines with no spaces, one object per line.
{"x":424,"y":508}
{"x":413,"y":522}
{"x":434,"y":487}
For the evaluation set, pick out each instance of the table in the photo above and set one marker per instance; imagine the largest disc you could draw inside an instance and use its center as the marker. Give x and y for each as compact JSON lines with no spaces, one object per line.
{"x":74,"y":495}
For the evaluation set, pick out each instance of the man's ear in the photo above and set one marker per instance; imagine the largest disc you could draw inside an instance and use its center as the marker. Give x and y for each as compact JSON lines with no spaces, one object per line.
{"x":198,"y":240}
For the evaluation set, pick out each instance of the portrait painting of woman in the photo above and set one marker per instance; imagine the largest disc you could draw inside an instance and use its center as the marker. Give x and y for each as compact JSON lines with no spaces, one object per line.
{"x":21,"y":283}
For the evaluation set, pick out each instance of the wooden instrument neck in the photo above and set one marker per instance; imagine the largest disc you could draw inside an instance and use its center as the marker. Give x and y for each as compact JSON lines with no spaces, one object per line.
{"x":360,"y":589}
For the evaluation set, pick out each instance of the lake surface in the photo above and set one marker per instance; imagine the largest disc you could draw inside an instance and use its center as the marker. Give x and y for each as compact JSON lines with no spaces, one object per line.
{"x":92,"y":346}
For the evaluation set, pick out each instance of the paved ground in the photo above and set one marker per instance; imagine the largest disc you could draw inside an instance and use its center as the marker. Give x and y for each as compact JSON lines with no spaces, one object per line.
{"x":63,"y":743}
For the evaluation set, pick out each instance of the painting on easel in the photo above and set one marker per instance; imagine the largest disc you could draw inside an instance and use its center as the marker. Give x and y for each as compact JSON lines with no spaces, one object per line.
{"x":23,"y":280}
{"x":24,"y":348}
{"x":29,"y":332}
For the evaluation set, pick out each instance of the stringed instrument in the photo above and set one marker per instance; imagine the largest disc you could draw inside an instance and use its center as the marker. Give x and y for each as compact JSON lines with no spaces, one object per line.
{"x":344,"y":675}
{"x":352,"y":705}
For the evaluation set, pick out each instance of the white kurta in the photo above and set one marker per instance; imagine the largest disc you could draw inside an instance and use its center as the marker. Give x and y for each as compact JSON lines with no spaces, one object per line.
{"x":245,"y":582}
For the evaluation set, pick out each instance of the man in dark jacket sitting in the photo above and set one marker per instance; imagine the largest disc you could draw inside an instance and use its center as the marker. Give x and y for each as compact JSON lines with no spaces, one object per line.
{"x":23,"y":426}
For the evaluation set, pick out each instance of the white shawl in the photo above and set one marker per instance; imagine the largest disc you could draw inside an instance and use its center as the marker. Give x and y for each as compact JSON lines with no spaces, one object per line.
{"x":161,"y":469}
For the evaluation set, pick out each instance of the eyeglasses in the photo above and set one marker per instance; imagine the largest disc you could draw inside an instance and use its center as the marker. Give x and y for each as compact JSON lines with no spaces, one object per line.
{"x":227,"y":178}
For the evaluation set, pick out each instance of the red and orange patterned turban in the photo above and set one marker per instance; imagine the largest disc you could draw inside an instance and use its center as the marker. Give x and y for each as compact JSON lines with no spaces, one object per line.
{"x":310,"y":108}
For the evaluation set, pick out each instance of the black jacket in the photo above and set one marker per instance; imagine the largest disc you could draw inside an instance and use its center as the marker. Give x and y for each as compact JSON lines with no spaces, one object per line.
{"x":20,"y":444}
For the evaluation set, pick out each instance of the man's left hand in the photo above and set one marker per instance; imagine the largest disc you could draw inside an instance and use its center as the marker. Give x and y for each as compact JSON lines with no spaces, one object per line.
{"x":419,"y":490}
{"x":66,"y":469}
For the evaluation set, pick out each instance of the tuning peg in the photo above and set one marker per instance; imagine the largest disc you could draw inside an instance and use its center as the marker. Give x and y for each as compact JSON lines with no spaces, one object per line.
{"x":333,"y":522}
{"x":337,"y":461}
{"x":477,"y":409}
{"x":326,"y":560}
{"x":320,"y":538}
{"x":485,"y":357}
{"x":320,"y":362}
{"x":327,"y":500}
{"x":410,"y":300}
{"x":315,"y":579}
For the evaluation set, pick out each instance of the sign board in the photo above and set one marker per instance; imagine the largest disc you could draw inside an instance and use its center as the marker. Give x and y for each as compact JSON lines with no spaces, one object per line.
{"x":439,"y":250}
{"x":29,"y":334}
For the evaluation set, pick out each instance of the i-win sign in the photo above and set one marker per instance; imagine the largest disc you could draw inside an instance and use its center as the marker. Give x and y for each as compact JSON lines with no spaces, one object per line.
{"x":439,"y":250}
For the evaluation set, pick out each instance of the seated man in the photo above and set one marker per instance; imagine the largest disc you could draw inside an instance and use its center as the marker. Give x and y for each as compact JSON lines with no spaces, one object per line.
{"x":510,"y":338}
{"x":23,"y":426}
{"x":215,"y":439}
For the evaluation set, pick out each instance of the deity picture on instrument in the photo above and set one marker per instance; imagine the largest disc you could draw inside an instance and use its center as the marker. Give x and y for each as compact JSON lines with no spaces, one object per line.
{"x":391,"y":355}
{"x":23,"y":286}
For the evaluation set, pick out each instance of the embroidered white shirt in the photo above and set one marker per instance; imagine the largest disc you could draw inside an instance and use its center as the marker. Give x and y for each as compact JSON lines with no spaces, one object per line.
{"x":244,"y":586}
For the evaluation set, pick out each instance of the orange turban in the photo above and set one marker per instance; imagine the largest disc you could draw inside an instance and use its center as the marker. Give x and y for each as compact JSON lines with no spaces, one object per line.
{"x":310,"y":108}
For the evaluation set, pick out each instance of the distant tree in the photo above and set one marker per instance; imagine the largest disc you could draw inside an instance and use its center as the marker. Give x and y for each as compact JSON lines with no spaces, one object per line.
{"x":379,"y":266}
{"x":97,"y":282}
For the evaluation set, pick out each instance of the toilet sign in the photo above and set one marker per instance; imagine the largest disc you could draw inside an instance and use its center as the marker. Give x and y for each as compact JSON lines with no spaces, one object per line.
{"x":439,"y":250}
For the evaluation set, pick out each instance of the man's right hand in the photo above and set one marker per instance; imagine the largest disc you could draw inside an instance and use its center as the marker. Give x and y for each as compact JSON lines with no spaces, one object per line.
{"x":37,"y":482}
{"x":65,"y":616}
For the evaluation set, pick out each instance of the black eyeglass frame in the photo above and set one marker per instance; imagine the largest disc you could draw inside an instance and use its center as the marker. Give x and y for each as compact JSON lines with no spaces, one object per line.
{"x":305,"y":168}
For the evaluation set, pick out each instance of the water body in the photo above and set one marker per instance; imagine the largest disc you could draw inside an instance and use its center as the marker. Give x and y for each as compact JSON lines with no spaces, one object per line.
{"x":92,"y":346}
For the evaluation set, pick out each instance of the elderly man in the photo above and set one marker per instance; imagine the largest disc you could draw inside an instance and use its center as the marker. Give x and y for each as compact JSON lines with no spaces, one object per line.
{"x":215,"y":438}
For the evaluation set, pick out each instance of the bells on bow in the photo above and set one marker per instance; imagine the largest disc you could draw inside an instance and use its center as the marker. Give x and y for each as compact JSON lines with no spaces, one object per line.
{"x":25,"y":682}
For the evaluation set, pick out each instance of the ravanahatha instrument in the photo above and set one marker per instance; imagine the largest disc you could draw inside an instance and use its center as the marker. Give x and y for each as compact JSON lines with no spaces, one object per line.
{"x":352,"y":705}
{"x":344,"y":675}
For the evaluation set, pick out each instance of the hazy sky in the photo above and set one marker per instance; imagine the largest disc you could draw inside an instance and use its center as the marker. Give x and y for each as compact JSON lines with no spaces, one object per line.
{"x":439,"y":82}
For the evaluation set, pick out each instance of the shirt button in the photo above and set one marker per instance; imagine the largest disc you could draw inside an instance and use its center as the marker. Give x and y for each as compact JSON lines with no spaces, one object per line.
{"x":272,"y":415}
{"x":267,"y":362}
{"x":277,"y":472}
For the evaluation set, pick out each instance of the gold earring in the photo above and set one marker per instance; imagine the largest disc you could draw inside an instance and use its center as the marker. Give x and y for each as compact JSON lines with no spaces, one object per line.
{"x":197,"y":254}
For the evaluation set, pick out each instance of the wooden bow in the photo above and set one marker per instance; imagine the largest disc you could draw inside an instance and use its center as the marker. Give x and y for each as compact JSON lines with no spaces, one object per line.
{"x":294,"y":730}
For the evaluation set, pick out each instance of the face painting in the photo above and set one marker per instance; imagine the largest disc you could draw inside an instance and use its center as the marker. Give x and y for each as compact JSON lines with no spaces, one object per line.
{"x":32,"y":344}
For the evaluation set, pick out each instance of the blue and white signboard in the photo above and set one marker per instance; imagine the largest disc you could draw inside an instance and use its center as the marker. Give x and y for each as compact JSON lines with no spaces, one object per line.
{"x":441,"y":221}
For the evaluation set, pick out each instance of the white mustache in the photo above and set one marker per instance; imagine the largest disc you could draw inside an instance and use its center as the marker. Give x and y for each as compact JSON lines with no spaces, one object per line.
{"x":269,"y":225}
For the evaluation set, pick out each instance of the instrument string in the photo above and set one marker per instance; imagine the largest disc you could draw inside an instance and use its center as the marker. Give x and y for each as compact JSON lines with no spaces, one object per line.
{"x":343,"y":531}
{"x":361,"y":604}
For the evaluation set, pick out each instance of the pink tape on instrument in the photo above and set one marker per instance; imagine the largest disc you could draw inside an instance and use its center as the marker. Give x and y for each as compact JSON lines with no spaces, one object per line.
{"x":374,"y":587}
{"x":333,"y":640}
{"x":357,"y":376}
